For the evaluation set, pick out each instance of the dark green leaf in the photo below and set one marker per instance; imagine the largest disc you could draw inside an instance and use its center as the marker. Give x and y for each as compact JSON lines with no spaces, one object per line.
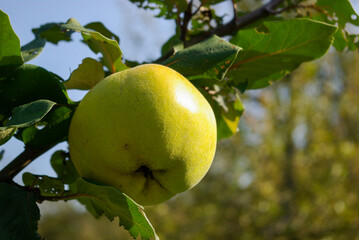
{"x":276,"y":48}
{"x":33,"y":49}
{"x":209,"y":59}
{"x":109,"y":48}
{"x":19,"y":214}
{"x":10,"y":53}
{"x":52,"y":33}
{"x":48,"y":186}
{"x":26,"y":84}
{"x":28,"y":114}
{"x":113,"y":203}
{"x":87,"y":75}
{"x":57,"y":123}
{"x":64,"y":167}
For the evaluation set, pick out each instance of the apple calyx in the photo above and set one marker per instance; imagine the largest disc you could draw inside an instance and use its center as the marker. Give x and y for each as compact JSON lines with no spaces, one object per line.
{"x":147,"y":172}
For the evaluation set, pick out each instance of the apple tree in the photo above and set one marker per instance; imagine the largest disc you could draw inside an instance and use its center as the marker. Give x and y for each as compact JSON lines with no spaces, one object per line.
{"x":222,"y":59}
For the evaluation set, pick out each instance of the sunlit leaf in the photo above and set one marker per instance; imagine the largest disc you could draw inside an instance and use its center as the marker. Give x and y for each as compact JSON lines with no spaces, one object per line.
{"x":274,"y":49}
{"x":6,"y":134}
{"x":10,"y":53}
{"x":109,"y":48}
{"x":87,"y":75}
{"x":227,"y":122}
{"x":227,"y":108}
{"x":102,"y":199}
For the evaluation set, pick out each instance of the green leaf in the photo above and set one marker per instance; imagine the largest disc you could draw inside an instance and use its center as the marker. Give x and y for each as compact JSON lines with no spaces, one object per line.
{"x":19,"y":213}
{"x":227,"y":123}
{"x":98,"y":43}
{"x":338,"y":13}
{"x":48,"y":186}
{"x":52,"y":33}
{"x":227,"y":108}
{"x":64,"y":167}
{"x":33,"y":49}
{"x":87,"y":75}
{"x":209,"y":59}
{"x":55,"y":130}
{"x":276,"y":48}
{"x":352,"y":42}
{"x":28,"y":114}
{"x":340,"y":40}
{"x":103,"y":199}
{"x":10,"y":53}
{"x":99,"y":27}
{"x":26,"y":84}
{"x":6,"y":134}
{"x":342,"y":11}
{"x":167,"y":8}
{"x":174,"y":43}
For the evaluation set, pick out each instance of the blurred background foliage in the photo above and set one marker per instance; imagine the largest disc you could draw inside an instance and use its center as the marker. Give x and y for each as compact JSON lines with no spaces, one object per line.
{"x":291,"y":172}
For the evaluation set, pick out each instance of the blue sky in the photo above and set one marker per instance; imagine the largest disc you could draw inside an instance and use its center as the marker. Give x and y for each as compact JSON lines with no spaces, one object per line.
{"x":140,"y":33}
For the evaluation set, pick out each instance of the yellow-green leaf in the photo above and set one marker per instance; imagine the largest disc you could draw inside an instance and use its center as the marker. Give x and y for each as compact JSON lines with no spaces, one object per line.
{"x":87,"y":75}
{"x":6,"y":134}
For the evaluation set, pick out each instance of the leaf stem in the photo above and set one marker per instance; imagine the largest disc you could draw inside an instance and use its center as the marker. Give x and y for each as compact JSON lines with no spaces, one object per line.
{"x":20,"y":162}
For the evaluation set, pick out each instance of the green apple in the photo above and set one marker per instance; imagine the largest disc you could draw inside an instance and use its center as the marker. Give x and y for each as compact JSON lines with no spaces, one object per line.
{"x":146,"y":131}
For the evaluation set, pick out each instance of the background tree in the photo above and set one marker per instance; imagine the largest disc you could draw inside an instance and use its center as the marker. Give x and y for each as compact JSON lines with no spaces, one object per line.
{"x":274,"y":170}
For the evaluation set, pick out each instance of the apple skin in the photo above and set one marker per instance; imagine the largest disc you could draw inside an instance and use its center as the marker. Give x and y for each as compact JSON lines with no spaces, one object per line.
{"x":146,"y":131}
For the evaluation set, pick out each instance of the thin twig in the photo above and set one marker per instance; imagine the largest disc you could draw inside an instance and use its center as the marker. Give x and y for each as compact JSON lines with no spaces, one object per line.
{"x":233,"y":26}
{"x":234,"y":10}
{"x":20,"y":162}
{"x":237,"y":23}
{"x":178,"y":19}
{"x":187,"y":17}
